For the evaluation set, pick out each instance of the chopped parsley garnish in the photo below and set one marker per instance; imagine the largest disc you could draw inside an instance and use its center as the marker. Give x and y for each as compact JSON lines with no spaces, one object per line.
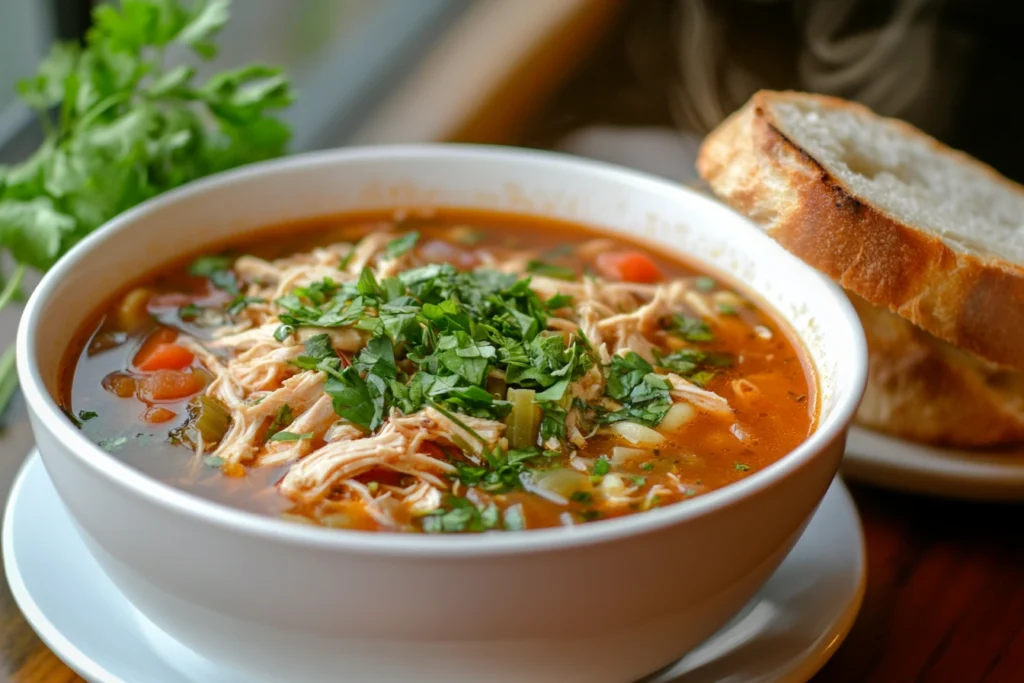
{"x":690,"y":329}
{"x":639,"y":481}
{"x":502,"y":471}
{"x":435,"y":336}
{"x":631,"y":381}
{"x":581,"y":497}
{"x":459,"y":514}
{"x":726,"y":309}
{"x":400,"y":245}
{"x":602,"y":466}
{"x":283,"y":418}
{"x":86,"y":415}
{"x":550,"y":270}
{"x":189,"y":312}
{"x":705,"y":284}
{"x":647,"y":466}
{"x":742,"y":467}
{"x":291,"y":436}
{"x":697,"y":366}
{"x":206,"y":266}
{"x":240,"y":302}
{"x":216,"y":269}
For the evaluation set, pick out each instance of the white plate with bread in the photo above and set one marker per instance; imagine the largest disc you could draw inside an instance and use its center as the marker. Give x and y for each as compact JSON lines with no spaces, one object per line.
{"x":928,"y":242}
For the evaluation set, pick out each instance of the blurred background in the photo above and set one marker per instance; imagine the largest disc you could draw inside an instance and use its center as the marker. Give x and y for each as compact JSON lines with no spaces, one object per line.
{"x":635,"y":81}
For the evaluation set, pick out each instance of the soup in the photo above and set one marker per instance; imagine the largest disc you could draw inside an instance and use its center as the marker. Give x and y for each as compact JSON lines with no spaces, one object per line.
{"x":451,"y":372}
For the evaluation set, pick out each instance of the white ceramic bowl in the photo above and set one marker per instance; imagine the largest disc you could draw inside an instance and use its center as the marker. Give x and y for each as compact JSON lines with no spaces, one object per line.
{"x":609,"y":601}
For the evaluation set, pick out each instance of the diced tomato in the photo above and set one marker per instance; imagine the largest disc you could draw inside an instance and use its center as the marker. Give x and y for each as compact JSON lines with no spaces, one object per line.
{"x":153,"y":357}
{"x":120,"y":384}
{"x":629,"y":266}
{"x":157,"y":415}
{"x":169,"y":385}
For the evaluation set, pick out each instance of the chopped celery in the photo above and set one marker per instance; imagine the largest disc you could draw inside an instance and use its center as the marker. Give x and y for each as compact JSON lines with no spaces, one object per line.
{"x":524,"y":420}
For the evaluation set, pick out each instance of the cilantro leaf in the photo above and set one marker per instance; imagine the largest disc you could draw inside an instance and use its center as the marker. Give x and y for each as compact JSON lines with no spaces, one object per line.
{"x":459,"y":514}
{"x":631,"y":380}
{"x":206,"y":266}
{"x":549,"y":270}
{"x":400,"y":245}
{"x":291,"y":436}
{"x":355,"y":399}
{"x":690,"y":329}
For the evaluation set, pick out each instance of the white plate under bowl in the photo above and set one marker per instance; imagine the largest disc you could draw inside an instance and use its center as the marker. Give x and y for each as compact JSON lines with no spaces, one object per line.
{"x":786,"y":633}
{"x":883,"y":460}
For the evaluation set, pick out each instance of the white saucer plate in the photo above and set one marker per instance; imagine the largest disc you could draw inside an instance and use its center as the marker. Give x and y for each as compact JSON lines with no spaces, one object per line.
{"x":882,"y":460}
{"x":786,"y":633}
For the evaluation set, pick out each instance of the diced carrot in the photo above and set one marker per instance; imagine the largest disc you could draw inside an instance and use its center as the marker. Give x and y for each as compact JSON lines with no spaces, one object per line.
{"x":158,"y":415}
{"x":154,"y":357}
{"x":629,"y":266}
{"x":120,"y":384}
{"x":169,"y":385}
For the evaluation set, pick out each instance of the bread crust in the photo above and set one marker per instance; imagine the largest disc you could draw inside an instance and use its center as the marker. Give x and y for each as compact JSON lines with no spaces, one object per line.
{"x":975,"y":303}
{"x":923,"y":389}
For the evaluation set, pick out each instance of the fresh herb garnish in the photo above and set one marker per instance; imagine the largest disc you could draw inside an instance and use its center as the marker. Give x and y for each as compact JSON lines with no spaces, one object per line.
{"x":639,"y":481}
{"x":459,"y":514}
{"x":291,"y":436}
{"x":631,"y":381}
{"x":502,"y":471}
{"x":206,"y":266}
{"x":550,"y":270}
{"x":400,"y":245}
{"x":86,"y":415}
{"x":690,"y":329}
{"x":436,"y":335}
{"x":581,"y":497}
{"x":240,"y":302}
{"x":726,"y":309}
{"x":280,"y":421}
{"x":741,"y":467}
{"x":705,"y":284}
{"x":602,"y":466}
{"x":647,"y":466}
{"x":122,"y":127}
{"x":189,"y":312}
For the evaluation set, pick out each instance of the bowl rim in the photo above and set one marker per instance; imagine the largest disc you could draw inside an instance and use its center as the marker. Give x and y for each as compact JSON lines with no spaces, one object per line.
{"x":159,"y":494}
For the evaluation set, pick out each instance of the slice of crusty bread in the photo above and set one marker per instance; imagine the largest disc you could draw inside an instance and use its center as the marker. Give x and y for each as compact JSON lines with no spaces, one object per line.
{"x":888,"y":212}
{"x":923,"y":389}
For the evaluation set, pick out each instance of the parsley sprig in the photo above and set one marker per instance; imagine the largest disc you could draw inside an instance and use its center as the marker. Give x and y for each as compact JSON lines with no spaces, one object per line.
{"x":122,"y":126}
